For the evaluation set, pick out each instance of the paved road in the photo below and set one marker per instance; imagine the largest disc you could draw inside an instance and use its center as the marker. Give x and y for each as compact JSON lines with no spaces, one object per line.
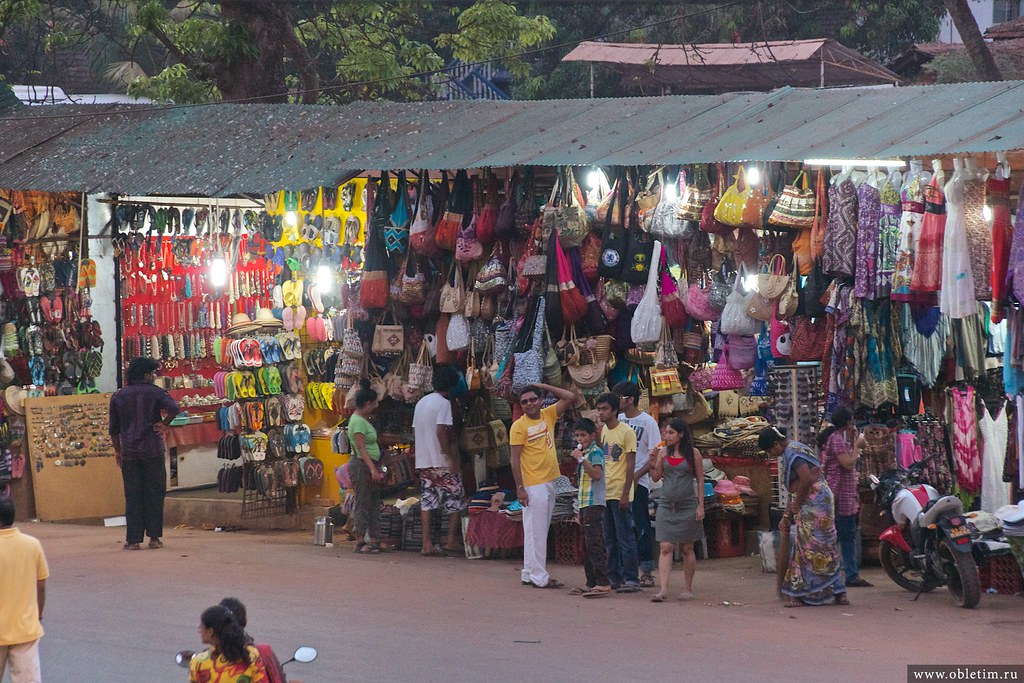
{"x":116,"y":616}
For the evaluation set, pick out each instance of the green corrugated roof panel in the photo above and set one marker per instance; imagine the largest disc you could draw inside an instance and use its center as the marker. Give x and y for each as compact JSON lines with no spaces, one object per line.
{"x":230,"y":149}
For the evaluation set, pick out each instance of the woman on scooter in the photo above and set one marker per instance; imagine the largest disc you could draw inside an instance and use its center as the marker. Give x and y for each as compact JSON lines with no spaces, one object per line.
{"x":811,"y":571}
{"x":229,"y":659}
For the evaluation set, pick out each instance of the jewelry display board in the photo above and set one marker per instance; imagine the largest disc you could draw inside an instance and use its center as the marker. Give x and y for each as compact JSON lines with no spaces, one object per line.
{"x":74,"y":473}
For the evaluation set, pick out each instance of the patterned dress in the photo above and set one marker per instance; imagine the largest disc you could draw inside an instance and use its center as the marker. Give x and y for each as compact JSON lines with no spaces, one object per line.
{"x":912,"y":198}
{"x":927,"y":277}
{"x":888,"y":239}
{"x":869,"y":212}
{"x":966,"y":455}
{"x":979,"y":239}
{"x":841,"y":231}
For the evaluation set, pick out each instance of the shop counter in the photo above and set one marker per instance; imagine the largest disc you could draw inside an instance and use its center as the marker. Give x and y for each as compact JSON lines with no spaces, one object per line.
{"x":192,"y":455}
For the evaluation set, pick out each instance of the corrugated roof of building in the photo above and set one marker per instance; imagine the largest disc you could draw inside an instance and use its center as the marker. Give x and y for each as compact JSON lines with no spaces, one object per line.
{"x":702,"y":54}
{"x":232,"y":149}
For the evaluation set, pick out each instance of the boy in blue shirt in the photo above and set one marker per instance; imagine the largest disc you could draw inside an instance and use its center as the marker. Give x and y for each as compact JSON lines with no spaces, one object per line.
{"x":589,"y":458}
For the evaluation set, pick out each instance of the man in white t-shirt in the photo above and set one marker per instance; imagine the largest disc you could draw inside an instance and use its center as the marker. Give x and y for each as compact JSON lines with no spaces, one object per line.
{"x":437,"y":459}
{"x":647,"y":437}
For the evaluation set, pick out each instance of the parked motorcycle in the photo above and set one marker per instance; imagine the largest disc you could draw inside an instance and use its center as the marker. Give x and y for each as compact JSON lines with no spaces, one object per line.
{"x":930,"y":544}
{"x":304,"y":654}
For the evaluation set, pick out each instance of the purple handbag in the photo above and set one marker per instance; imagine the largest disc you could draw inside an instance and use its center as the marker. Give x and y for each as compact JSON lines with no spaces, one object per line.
{"x":742,"y":352}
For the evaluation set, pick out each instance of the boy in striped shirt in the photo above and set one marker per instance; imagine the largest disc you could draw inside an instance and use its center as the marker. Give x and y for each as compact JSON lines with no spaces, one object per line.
{"x":589,"y":458}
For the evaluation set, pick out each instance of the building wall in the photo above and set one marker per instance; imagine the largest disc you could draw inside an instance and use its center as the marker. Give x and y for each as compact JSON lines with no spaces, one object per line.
{"x":987,"y":13}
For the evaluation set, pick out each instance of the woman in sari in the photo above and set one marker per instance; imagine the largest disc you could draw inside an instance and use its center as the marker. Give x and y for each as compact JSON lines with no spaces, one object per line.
{"x":813,"y":574}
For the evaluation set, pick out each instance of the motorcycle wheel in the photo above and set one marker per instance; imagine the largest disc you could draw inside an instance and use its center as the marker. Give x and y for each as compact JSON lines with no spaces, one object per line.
{"x":897,"y":567}
{"x":962,"y":576}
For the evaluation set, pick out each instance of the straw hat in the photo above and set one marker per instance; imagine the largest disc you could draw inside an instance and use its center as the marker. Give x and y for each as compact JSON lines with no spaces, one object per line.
{"x":13,"y":399}
{"x":265,"y":318}
{"x":240,"y":322}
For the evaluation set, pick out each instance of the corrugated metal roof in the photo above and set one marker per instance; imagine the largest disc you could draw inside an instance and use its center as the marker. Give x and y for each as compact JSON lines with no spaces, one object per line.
{"x":232,"y":149}
{"x":706,"y":54}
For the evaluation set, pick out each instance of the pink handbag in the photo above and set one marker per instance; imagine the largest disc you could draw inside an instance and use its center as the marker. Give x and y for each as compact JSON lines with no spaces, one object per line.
{"x":698,"y":303}
{"x":724,"y":377}
{"x":742,"y":352}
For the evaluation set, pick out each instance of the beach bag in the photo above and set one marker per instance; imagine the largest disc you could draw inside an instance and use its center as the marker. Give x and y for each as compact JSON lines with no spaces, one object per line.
{"x":396,"y":233}
{"x":729,"y":210}
{"x":735,"y":319}
{"x":645,"y":328}
{"x":613,"y":240}
{"x":453,"y":293}
{"x":528,"y":363}
{"x":772,"y":280}
{"x":672,"y":306}
{"x":421,"y":232}
{"x":796,"y":205}
{"x":388,"y":337}
{"x":695,"y":194}
{"x":742,"y":352}
{"x":807,"y":339}
{"x":457,"y":213}
{"x":724,"y":377}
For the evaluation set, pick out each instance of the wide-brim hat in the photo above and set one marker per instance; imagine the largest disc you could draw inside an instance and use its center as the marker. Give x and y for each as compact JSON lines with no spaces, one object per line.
{"x":14,"y":396}
{"x":265,"y":318}
{"x":240,"y":322}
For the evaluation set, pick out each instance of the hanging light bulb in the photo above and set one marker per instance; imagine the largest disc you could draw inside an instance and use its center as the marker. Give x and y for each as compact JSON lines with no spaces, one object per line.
{"x":594,"y":179}
{"x":324,"y":279}
{"x":753,"y":176}
{"x":291,"y":219}
{"x":750,"y":282}
{"x":218,"y":272}
{"x":669,"y":192}
{"x":986,"y":213}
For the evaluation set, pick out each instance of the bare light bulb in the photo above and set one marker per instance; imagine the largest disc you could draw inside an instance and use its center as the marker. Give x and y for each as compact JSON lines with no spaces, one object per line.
{"x":324,"y":279}
{"x":750,"y":282}
{"x":291,"y":219}
{"x":593,"y":179}
{"x":753,"y":176}
{"x":669,"y":192}
{"x":986,"y":213}
{"x":218,"y":272}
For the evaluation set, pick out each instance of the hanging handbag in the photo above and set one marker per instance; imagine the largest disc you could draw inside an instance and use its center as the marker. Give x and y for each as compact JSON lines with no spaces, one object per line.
{"x":742,"y":352}
{"x":373,"y":290}
{"x":413,"y":283}
{"x":665,"y":355}
{"x":595,"y":320}
{"x":672,"y":306}
{"x":813,"y":291}
{"x":759,"y":307}
{"x":528,"y":365}
{"x":796,"y":206}
{"x":574,"y":304}
{"x":457,"y":335}
{"x":665,"y":220}
{"x":645,"y":328}
{"x":388,"y":337}
{"x":699,"y":410}
{"x":665,"y":382}
{"x":721,"y":287}
{"x":505,"y":223}
{"x":526,"y":203}
{"x":808,"y":339}
{"x":789,"y":300}
{"x":724,"y":377}
{"x":421,"y":371}
{"x":396,"y":233}
{"x":699,"y":302}
{"x":457,"y":213}
{"x":421,"y":232}
{"x":488,"y":217}
{"x":758,"y":201}
{"x":780,"y":339}
{"x":453,"y":293}
{"x":772,"y":280}
{"x":467,"y":246}
{"x":708,"y":222}
{"x":490,"y":279}
{"x":613,"y":240}
{"x":729,"y":210}
{"x":585,"y":367}
{"x":735,"y":319}
{"x":695,"y":195}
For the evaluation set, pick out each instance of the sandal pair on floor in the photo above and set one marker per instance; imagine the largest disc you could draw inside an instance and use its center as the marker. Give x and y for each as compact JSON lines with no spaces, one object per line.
{"x":590,"y":592}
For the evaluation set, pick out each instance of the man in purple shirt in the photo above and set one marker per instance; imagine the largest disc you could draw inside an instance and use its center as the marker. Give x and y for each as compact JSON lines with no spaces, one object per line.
{"x":139,"y":415}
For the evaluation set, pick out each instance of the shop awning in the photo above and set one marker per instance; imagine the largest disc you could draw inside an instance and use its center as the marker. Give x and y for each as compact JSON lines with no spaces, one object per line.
{"x":224,"y":150}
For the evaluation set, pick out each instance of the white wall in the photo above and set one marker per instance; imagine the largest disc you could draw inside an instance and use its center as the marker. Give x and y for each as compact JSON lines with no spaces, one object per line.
{"x":982,"y":10}
{"x":104,"y":299}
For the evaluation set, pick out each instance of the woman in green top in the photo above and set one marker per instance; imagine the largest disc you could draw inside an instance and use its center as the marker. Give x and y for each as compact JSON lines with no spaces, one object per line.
{"x":364,"y":471}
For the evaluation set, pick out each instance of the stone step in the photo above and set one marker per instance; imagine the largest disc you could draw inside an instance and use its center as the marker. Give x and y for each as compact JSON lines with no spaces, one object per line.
{"x":216,"y":510}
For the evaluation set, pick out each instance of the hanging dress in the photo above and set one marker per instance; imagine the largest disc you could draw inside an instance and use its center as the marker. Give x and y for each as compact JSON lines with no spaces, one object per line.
{"x":912,"y":205}
{"x":956,"y":298}
{"x":841,"y":231}
{"x":979,"y":239}
{"x":888,"y":239}
{"x":927,"y":276}
{"x":966,"y":456}
{"x":1017,"y":243}
{"x":997,"y":196}
{"x":995,"y":493}
{"x":869,"y":211}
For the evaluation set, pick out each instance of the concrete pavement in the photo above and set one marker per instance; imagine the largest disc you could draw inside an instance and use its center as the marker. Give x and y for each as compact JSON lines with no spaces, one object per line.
{"x":117,"y":616}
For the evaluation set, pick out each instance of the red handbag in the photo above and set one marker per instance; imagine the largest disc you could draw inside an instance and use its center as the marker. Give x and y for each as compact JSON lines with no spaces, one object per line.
{"x":574,"y":304}
{"x":708,"y":222}
{"x":808,"y":339}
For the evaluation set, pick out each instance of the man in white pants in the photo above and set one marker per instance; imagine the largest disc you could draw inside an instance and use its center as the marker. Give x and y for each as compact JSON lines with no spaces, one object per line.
{"x":535,"y":468}
{"x":23,"y":573}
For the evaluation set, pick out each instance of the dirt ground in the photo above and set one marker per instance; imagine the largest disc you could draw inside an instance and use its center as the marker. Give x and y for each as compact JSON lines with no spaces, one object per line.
{"x":116,"y":616}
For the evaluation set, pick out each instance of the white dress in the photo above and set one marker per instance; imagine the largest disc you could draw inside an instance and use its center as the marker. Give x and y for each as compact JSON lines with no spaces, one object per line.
{"x":956,"y":298}
{"x":995,"y":493}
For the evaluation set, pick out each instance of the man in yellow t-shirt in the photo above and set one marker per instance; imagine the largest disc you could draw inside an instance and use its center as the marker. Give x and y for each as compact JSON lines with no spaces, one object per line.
{"x":619,"y":441}
{"x":535,"y":468}
{"x":23,"y":573}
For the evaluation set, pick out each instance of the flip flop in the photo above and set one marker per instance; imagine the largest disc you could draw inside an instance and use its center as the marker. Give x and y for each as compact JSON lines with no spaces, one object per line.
{"x":578,"y":591}
{"x":288,"y":318}
{"x":658,"y":597}
{"x":596,"y":593}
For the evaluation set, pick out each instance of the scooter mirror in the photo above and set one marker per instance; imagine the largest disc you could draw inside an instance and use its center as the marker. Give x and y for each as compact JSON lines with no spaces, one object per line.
{"x":305,"y":654}
{"x":184,"y":658}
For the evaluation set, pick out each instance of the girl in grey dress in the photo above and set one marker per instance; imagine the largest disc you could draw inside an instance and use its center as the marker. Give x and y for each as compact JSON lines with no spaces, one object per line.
{"x":681,"y":507}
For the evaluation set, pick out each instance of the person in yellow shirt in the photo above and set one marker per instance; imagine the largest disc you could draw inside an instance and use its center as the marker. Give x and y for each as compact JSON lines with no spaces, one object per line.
{"x":23,"y":574}
{"x":535,"y":468}
{"x":619,"y":441}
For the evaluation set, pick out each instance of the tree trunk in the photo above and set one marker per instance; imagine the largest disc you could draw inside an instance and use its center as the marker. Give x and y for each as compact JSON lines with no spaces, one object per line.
{"x":259,"y":77}
{"x":977,"y":48}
